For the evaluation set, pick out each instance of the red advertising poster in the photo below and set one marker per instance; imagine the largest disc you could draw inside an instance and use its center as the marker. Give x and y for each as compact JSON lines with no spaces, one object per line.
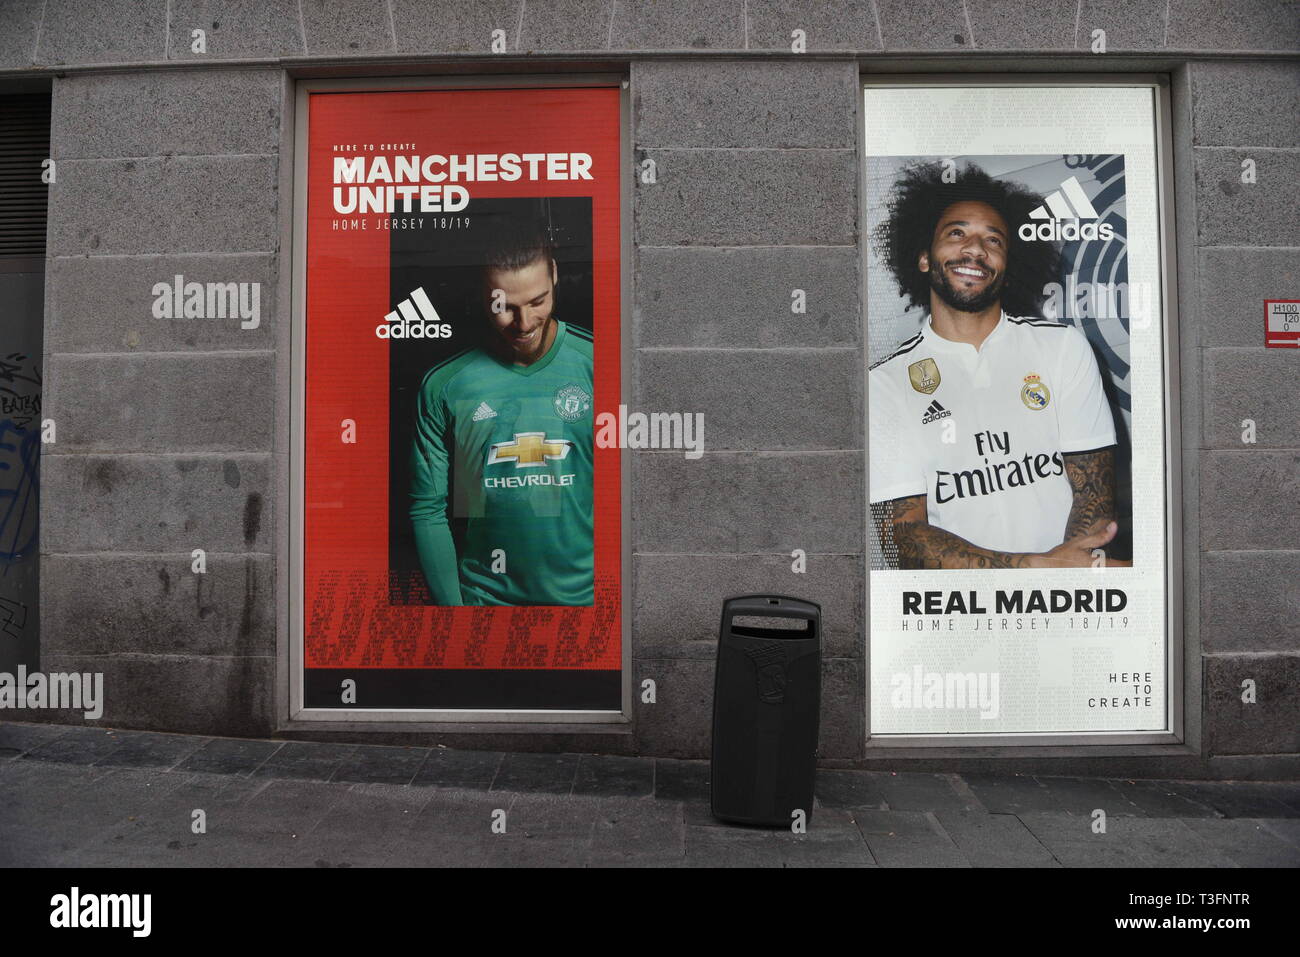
{"x":461,"y":528}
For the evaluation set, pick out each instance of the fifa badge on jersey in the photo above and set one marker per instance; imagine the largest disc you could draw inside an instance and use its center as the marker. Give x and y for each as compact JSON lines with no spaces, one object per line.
{"x":924,"y":375}
{"x":572,"y":402}
{"x":1035,"y":395}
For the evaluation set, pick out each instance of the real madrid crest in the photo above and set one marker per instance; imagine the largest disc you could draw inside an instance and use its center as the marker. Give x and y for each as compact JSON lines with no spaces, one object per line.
{"x":1035,"y":395}
{"x":572,"y":402}
{"x":924,"y":375}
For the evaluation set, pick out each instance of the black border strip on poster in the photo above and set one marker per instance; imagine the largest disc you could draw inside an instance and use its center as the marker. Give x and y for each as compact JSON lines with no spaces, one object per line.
{"x":466,"y":689}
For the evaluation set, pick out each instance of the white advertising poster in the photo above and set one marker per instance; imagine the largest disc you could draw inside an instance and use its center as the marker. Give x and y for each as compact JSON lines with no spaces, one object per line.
{"x":1016,"y":356}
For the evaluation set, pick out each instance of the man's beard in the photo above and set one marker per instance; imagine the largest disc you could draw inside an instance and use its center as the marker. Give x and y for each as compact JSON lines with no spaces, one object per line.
{"x":537,"y":347}
{"x":962,"y":301}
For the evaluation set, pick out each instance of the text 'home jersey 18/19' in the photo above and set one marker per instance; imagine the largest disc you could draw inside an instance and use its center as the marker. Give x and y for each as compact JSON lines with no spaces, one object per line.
{"x":983,"y":433}
{"x":512,"y":445}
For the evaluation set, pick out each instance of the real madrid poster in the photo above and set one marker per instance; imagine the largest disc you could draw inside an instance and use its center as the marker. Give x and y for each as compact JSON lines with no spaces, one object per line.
{"x":1017,"y":545}
{"x":461,"y":532}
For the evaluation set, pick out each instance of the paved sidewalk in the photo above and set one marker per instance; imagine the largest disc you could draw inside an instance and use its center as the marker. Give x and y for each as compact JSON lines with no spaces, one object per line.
{"x":95,"y":797}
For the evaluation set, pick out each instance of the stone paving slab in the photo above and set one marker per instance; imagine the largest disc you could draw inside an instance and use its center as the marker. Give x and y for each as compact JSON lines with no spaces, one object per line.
{"x":231,"y":756}
{"x":1072,"y":841}
{"x":833,"y":838}
{"x":77,"y":746}
{"x":380,"y":764}
{"x":911,"y":791}
{"x":700,"y":814}
{"x":608,"y":775}
{"x":1246,"y":842}
{"x":632,"y":832}
{"x":681,"y":780}
{"x":451,"y":831}
{"x":1288,"y":794}
{"x":1157,"y":799}
{"x":1143,"y":841}
{"x":161,"y":833}
{"x":542,"y":830}
{"x":995,"y":840}
{"x":266,"y":829}
{"x":908,"y":839}
{"x":548,"y":773}
{"x":51,"y":811}
{"x":17,"y":738}
{"x":305,"y":761}
{"x":1082,"y":796}
{"x":74,"y":796}
{"x":1170,"y":843}
{"x":159,"y":752}
{"x":1288,"y":829}
{"x":362,"y":828}
{"x":470,"y":770}
{"x":1243,"y":798}
{"x":1011,"y":793}
{"x":850,"y":789}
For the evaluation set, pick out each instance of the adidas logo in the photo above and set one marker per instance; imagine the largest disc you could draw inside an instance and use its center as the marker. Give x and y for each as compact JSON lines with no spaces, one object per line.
{"x":1062,"y":213}
{"x":933,"y":413}
{"x":484,"y":411}
{"x":414,"y":318}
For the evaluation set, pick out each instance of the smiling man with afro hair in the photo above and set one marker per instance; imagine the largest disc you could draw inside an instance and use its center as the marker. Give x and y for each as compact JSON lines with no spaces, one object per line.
{"x":991,"y":436}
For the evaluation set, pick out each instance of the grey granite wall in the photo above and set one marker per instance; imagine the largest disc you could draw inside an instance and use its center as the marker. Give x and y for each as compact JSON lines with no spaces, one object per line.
{"x":171,"y":432}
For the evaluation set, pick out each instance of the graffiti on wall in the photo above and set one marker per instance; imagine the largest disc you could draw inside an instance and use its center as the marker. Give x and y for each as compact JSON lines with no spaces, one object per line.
{"x":20,"y":409}
{"x":20,"y":457}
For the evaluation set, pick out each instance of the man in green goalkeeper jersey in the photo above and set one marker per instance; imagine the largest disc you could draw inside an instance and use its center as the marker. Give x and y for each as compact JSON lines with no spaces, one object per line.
{"x":503,"y":438}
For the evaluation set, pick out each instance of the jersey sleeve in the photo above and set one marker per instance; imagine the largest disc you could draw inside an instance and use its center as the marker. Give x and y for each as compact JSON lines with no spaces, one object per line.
{"x":896,"y":465}
{"x":430,"y":467}
{"x":1082,"y":409}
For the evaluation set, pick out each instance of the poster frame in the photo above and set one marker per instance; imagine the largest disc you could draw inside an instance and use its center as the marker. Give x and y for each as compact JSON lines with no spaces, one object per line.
{"x":1174,"y":734}
{"x":292,"y":658}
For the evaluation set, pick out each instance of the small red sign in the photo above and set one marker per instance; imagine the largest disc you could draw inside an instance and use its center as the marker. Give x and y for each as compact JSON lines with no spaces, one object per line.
{"x":1282,"y":323}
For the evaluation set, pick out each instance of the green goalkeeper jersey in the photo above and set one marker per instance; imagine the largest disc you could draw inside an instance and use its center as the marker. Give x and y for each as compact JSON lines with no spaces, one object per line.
{"x":509,"y":448}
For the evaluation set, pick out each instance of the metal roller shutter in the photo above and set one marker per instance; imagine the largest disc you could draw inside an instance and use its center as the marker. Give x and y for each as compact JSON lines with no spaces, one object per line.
{"x":24,"y":146}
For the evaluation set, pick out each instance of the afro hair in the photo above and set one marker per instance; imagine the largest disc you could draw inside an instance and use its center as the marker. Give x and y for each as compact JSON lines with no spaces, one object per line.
{"x":919,"y":198}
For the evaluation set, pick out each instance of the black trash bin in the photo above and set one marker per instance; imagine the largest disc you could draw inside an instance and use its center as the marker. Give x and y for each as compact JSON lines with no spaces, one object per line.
{"x":766,"y":703}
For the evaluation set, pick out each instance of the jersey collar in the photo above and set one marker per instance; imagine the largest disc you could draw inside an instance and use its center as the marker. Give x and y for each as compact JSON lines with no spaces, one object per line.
{"x":939,"y":344}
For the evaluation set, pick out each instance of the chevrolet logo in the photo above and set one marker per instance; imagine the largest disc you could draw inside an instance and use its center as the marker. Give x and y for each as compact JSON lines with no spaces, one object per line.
{"x":528,"y":449}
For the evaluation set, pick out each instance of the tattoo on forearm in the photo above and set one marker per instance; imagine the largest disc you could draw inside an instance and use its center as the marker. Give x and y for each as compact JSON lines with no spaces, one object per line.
{"x":1092,"y":478}
{"x":922,"y":545}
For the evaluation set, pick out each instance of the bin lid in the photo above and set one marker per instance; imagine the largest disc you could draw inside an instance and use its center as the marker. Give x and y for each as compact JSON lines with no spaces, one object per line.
{"x":773,"y":606}
{"x":767,"y":607}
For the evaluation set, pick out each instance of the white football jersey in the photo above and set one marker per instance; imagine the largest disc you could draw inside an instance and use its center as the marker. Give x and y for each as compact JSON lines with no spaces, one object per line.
{"x":1009,"y":410}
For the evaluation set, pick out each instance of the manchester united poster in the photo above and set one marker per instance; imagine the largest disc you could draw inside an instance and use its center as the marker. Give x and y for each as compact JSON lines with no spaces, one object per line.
{"x":1017,"y":535}
{"x":461,"y":532}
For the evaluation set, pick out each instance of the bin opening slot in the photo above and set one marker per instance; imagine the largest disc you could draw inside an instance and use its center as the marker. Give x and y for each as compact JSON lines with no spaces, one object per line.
{"x":765,"y":626}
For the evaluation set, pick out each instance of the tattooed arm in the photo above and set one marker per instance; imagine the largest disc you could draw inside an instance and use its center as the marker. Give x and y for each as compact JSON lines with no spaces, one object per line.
{"x":922,"y":545}
{"x":1092,"y":477}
